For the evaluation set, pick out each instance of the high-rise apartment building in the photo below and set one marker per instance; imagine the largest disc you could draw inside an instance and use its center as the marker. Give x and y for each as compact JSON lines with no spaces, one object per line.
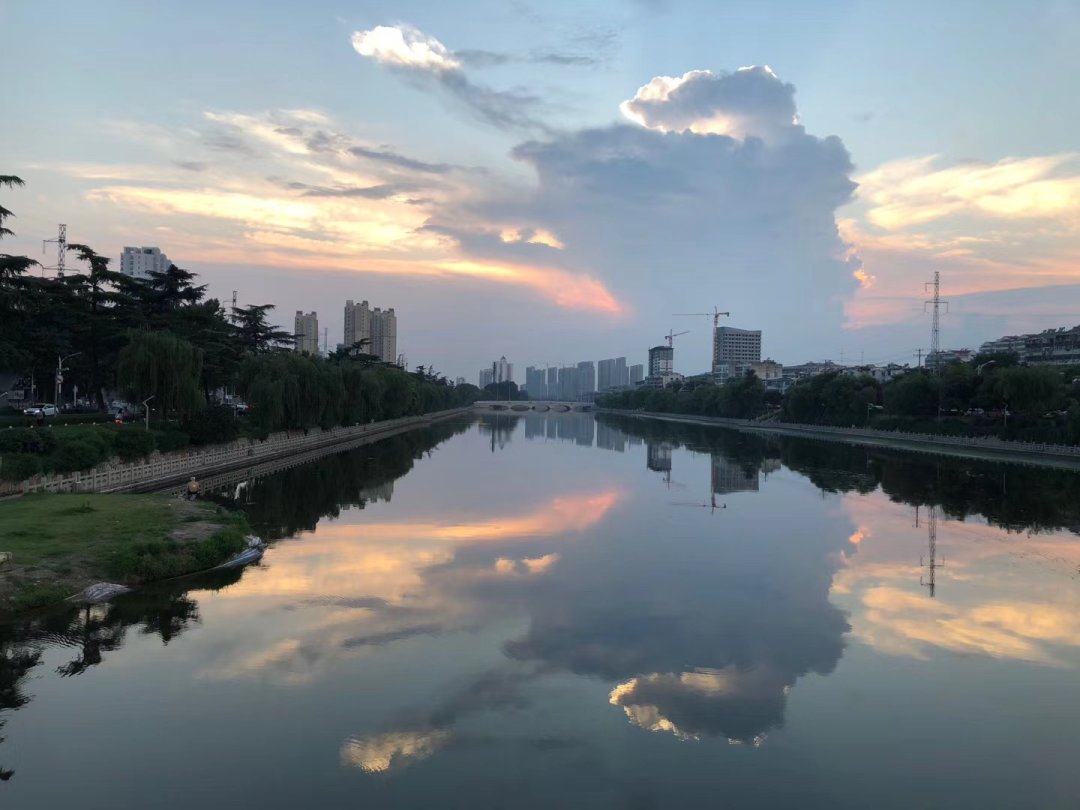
{"x":140,"y":262}
{"x":612,"y":373}
{"x":732,"y":345}
{"x":661,"y":361}
{"x":552,"y":387}
{"x":375,"y":327}
{"x":535,"y":384}
{"x":357,"y":325}
{"x":586,"y":378}
{"x":306,"y":332}
{"x":568,"y":382}
{"x":487,"y":377}
{"x":504,"y":371}
{"x":637,"y":373}
{"x":605,"y":373}
{"x":384,"y":334}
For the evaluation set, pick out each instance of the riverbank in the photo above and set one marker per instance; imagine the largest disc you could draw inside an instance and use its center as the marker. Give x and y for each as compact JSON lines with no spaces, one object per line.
{"x":161,"y":470}
{"x":1057,"y":456}
{"x":60,"y":544}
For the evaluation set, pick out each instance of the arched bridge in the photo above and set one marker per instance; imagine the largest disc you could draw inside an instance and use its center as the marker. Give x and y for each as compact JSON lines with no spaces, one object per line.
{"x":524,"y":406}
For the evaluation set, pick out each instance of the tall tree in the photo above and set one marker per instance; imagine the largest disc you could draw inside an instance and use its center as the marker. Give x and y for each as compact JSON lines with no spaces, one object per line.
{"x":164,"y":366}
{"x":15,"y":302}
{"x":254,"y":332}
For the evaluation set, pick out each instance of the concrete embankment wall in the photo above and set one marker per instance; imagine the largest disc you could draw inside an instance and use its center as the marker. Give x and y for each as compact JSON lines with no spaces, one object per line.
{"x":1047,"y":455}
{"x":160,"y":470}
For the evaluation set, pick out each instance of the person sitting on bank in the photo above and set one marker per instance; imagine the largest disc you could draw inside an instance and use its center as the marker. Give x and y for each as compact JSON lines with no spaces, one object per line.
{"x":192,"y":489}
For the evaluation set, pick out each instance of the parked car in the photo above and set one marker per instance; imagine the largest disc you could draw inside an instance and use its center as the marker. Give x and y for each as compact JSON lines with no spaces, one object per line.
{"x":240,"y":408}
{"x":41,"y":410}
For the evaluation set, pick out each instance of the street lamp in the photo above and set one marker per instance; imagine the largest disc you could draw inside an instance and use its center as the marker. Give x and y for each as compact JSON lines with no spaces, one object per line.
{"x":60,"y":374}
{"x":981,"y":366}
{"x":146,"y":411}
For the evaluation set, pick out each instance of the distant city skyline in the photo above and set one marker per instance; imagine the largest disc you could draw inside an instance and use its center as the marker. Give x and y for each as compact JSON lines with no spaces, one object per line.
{"x":798,"y":165}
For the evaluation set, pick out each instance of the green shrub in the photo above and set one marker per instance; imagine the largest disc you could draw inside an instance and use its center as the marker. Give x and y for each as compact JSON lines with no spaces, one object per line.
{"x":78,"y":454}
{"x":27,"y":440}
{"x":168,"y":558}
{"x":213,"y":425}
{"x":170,"y":440}
{"x":19,"y":466}
{"x":132,"y":443}
{"x":38,"y":596}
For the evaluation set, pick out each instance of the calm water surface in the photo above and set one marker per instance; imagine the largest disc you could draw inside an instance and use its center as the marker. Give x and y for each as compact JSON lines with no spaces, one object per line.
{"x":559,"y":612}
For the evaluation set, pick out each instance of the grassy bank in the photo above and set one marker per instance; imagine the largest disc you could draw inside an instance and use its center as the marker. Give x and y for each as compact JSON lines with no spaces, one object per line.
{"x":62,"y":543}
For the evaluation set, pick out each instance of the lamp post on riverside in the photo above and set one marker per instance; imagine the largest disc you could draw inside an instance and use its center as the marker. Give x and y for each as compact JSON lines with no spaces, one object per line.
{"x":146,"y":411}
{"x":60,"y":374}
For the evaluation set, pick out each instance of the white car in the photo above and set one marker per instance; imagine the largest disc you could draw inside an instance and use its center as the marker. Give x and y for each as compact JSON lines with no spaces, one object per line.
{"x":41,"y":410}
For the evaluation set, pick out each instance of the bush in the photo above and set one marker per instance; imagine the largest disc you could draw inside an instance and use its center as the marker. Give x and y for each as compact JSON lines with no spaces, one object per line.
{"x":78,"y":454}
{"x":213,"y":425}
{"x":19,"y":466}
{"x":133,"y":443}
{"x":27,"y":440}
{"x":164,"y":559}
{"x":170,"y":440}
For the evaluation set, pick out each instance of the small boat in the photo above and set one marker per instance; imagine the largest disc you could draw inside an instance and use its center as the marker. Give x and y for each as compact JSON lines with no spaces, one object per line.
{"x":253,"y":553}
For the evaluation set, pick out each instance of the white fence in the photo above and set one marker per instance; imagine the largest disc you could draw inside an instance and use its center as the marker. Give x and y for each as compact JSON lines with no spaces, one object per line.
{"x":988,"y":443}
{"x":116,"y":477}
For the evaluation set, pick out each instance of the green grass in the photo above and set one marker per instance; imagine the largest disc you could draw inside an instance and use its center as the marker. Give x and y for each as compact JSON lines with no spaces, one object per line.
{"x":62,"y":543}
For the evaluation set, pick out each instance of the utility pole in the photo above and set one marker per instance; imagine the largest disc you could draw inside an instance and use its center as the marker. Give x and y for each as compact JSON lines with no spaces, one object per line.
{"x":935,"y":303}
{"x":61,"y":250}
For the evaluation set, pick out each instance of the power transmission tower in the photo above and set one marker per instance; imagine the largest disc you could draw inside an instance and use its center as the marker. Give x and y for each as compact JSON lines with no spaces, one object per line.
{"x":935,"y":303}
{"x":932,"y":564}
{"x":61,"y":250}
{"x":918,"y":358}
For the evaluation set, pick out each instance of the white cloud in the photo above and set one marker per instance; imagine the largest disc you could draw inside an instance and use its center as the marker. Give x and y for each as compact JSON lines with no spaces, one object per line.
{"x":751,"y":102}
{"x":915,"y":191}
{"x":410,"y":49}
{"x":404,"y":46}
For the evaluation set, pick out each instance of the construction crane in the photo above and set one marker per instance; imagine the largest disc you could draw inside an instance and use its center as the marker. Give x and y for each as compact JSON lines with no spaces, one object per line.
{"x":715,"y":315}
{"x":670,"y":337}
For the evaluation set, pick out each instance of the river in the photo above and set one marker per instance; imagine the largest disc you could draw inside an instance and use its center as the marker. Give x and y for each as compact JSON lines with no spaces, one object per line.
{"x":569,"y":611}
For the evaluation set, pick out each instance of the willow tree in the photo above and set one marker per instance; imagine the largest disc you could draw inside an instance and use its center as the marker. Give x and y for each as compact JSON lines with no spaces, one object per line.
{"x":166,"y":367}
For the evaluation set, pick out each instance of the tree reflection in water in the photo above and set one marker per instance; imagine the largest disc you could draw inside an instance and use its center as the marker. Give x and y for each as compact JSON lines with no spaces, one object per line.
{"x":278,"y":506}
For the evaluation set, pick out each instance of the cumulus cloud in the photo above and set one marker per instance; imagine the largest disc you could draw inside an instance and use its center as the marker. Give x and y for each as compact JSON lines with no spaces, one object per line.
{"x":741,"y":705}
{"x":751,"y":102}
{"x":405,"y":46}
{"x":669,"y":210}
{"x":425,"y":58}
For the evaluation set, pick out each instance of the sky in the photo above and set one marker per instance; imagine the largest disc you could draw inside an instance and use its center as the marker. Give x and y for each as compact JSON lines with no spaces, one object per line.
{"x":561,"y":181}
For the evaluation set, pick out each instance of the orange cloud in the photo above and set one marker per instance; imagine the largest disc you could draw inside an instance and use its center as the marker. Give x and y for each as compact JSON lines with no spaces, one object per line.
{"x":354,"y":236}
{"x":903,"y":193}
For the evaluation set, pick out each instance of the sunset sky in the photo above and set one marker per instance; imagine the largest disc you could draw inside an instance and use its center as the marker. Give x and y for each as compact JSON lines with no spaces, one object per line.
{"x":552,"y":182}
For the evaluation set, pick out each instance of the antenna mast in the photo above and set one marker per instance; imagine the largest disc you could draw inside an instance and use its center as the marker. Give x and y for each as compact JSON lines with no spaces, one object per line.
{"x":929,"y":583}
{"x":61,"y":249}
{"x":935,"y":303}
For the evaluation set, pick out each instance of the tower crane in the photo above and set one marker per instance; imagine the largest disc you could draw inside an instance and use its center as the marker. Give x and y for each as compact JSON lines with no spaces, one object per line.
{"x":715,"y":315}
{"x":671,"y":335}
